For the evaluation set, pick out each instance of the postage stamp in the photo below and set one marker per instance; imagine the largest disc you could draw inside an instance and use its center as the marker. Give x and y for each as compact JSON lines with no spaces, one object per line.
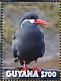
{"x":31,"y":41}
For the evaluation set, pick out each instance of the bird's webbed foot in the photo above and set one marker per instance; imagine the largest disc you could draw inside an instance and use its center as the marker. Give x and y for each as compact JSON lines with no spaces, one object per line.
{"x":25,"y":68}
{"x":36,"y":68}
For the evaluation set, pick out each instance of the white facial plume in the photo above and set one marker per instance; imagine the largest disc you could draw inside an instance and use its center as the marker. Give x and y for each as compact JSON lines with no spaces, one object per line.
{"x":30,"y":20}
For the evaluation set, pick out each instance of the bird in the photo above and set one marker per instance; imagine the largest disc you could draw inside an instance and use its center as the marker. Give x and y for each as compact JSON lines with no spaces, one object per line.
{"x":28,"y":42}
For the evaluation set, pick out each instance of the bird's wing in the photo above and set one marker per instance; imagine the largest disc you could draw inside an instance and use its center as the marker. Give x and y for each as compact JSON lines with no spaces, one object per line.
{"x":42,"y":35}
{"x":43,"y":44}
{"x":14,"y":45}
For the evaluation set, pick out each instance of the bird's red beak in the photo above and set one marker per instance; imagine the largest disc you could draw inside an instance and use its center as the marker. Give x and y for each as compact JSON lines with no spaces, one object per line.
{"x":42,"y":22}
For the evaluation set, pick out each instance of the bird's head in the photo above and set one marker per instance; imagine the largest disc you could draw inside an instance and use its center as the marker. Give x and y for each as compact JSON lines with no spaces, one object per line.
{"x":32,"y":18}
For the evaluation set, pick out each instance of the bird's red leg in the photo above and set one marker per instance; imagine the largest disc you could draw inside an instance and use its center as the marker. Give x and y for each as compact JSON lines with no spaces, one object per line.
{"x":36,"y":68}
{"x":25,"y":68}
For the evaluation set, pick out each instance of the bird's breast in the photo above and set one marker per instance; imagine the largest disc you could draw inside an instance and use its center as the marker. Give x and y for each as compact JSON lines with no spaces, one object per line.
{"x":29,"y":36}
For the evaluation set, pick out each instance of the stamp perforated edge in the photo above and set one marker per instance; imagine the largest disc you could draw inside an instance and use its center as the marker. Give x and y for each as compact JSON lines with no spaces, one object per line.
{"x":60,"y":40}
{"x":29,"y":1}
{"x":1,"y":38}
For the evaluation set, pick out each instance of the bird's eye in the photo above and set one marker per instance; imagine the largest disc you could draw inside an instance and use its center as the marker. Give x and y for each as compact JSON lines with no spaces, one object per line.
{"x":31,"y":17}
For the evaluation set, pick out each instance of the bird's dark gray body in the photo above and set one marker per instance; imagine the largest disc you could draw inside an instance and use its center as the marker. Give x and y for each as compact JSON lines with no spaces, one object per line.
{"x":28,"y":43}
